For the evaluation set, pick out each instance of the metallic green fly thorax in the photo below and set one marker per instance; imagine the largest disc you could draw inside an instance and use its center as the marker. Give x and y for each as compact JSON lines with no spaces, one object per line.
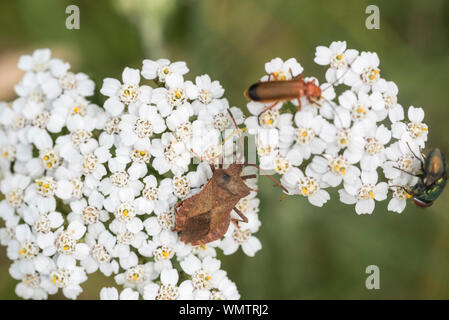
{"x":428,"y":193}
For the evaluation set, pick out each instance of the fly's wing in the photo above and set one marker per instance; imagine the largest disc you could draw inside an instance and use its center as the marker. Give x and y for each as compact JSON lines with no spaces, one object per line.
{"x":435,"y":167}
{"x":196,"y":228}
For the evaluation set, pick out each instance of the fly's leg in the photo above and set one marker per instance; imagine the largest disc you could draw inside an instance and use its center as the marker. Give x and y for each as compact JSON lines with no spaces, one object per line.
{"x":420,"y":159}
{"x":410,"y":173}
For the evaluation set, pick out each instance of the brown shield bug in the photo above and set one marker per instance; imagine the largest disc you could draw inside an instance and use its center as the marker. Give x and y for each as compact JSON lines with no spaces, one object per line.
{"x":205,"y":216}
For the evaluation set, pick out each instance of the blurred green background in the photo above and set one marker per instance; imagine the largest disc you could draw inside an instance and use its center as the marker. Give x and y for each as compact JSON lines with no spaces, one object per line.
{"x":308,"y":252}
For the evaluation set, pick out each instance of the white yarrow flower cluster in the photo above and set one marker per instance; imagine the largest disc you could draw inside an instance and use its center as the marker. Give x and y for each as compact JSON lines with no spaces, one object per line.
{"x":358,"y":141}
{"x":90,"y":188}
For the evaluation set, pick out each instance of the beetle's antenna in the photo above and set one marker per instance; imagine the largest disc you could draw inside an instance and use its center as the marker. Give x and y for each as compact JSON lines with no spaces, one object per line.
{"x":333,"y":109}
{"x":338,"y":79}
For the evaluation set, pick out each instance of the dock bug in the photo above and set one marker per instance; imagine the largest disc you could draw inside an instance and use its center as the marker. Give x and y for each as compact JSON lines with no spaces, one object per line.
{"x":205,"y":216}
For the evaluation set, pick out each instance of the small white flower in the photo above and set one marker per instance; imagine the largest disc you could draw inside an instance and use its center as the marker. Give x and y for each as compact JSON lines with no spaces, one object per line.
{"x":67,"y":82}
{"x":208,"y":90}
{"x":242,"y":236}
{"x":177,"y":93}
{"x":306,"y":185}
{"x":161,"y":68}
{"x":363,"y":192}
{"x":130,"y":93}
{"x":204,"y":275}
{"x":170,"y":154}
{"x":101,"y":249}
{"x":308,"y":134}
{"x":415,"y":131}
{"x":39,"y":61}
{"x":385,"y":101}
{"x":373,"y":153}
{"x":337,"y":57}
{"x":134,"y":129}
{"x":277,"y":69}
{"x":364,"y":72}
{"x":334,"y":169}
{"x":359,"y":107}
{"x":402,"y":164}
{"x":167,"y":289}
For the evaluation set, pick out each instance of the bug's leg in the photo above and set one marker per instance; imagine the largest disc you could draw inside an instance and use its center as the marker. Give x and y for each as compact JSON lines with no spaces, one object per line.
{"x":241,"y":215}
{"x":249,"y":176}
{"x":235,"y":222}
{"x":175,"y":208}
{"x":212,"y":167}
{"x":196,"y":155}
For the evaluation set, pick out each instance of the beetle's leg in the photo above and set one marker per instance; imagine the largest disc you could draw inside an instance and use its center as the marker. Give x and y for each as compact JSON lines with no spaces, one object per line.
{"x":268,"y":108}
{"x":299,"y":102}
{"x":249,"y":176}
{"x":291,"y":73}
{"x":294,"y":77}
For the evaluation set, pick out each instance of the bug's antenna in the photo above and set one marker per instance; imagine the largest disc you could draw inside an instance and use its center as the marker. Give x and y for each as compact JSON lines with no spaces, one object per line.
{"x":196,"y":154}
{"x":240,"y":136}
{"x":269,"y":176}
